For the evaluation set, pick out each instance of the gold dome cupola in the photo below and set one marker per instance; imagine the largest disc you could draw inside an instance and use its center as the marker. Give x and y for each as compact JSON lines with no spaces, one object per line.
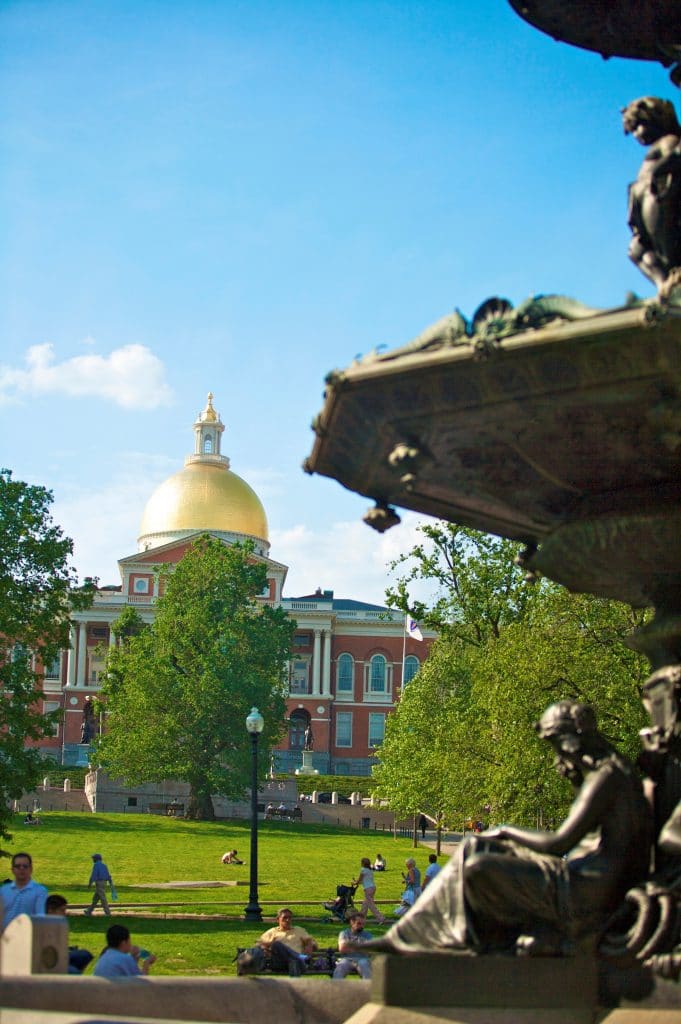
{"x":205,"y":496}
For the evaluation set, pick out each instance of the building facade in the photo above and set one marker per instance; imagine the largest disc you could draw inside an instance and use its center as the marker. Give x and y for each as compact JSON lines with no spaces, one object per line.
{"x":350,"y":659}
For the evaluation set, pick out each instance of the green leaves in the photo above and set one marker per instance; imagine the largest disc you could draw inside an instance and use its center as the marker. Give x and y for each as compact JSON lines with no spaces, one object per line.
{"x":462,"y":737}
{"x":179,"y":690}
{"x":38,"y":589}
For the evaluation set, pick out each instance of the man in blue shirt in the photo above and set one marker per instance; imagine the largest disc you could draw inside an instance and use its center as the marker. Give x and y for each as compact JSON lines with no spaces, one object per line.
{"x":23,"y":895}
{"x":99,"y":877}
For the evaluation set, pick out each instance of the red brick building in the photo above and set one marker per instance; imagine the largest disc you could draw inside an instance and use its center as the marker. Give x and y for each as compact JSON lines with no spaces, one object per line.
{"x":350,"y":658}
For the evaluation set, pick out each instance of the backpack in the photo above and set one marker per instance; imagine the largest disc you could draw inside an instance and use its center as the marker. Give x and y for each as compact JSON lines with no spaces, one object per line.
{"x":250,"y":961}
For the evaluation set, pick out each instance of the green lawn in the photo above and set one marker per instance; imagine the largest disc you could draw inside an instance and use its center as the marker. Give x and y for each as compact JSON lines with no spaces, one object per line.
{"x":297,"y":864}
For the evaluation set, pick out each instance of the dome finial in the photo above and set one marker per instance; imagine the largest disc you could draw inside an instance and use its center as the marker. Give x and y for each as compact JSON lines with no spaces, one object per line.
{"x":209,"y":414}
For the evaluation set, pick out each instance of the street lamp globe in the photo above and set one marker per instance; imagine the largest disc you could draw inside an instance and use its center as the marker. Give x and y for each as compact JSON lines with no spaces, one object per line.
{"x":255,"y":723}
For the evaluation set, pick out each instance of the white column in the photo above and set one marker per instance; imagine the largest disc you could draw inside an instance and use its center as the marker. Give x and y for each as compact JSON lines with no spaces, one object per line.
{"x":71,"y":658}
{"x":326,"y":664}
{"x":82,"y":648}
{"x":315,"y":661}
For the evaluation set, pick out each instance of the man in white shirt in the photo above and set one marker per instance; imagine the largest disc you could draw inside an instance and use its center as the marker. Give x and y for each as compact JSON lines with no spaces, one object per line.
{"x":23,"y":895}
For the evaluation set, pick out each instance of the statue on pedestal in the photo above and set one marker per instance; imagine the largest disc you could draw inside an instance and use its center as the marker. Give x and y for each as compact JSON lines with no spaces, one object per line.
{"x":88,"y":729}
{"x":308,"y":739}
{"x":655,"y":196}
{"x":542,"y":893}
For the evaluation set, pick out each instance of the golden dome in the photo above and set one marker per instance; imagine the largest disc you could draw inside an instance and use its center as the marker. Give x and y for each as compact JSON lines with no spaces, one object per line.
{"x":203,"y":496}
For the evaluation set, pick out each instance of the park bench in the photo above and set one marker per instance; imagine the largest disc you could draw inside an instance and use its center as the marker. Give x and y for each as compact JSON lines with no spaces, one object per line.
{"x":322,"y":962}
{"x":172,"y":810}
{"x":283,"y":814}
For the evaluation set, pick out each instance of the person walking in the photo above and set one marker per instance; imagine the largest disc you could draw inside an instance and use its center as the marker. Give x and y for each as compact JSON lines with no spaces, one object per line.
{"x":99,"y":877}
{"x":23,"y":895}
{"x":423,"y":825}
{"x":366,"y":880}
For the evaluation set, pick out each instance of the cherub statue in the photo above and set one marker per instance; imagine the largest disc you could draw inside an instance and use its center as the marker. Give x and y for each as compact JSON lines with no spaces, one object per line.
{"x":541,"y":893}
{"x":655,"y":196}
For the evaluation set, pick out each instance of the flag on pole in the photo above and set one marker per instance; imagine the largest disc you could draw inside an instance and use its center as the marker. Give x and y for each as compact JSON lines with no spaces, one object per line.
{"x":412,"y":628}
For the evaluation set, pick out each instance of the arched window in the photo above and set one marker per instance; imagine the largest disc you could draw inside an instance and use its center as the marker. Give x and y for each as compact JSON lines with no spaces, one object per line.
{"x":208,"y":444}
{"x":345,"y":675}
{"x":297,"y":724}
{"x":377,"y":677}
{"x":411,"y":667}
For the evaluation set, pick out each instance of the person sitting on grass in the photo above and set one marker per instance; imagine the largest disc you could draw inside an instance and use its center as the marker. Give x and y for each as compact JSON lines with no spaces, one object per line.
{"x":379,"y":863}
{"x":352,"y":959}
{"x":119,"y":958}
{"x":231,"y":857}
{"x":288,"y":946}
{"x":78,"y":958}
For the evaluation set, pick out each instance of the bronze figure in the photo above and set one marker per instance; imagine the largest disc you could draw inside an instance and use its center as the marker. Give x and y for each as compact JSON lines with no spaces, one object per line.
{"x":655,"y":196}
{"x":541,"y":893}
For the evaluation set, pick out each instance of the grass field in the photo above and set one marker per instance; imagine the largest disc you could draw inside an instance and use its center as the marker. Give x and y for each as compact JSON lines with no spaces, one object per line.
{"x":298,"y":865}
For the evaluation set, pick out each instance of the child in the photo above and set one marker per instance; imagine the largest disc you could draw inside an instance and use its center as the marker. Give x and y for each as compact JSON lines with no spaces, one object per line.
{"x":231,"y":858}
{"x":119,"y":958}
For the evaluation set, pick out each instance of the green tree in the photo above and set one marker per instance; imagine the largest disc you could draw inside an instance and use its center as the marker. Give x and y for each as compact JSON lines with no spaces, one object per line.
{"x":431,"y":760}
{"x":478,"y":586}
{"x":178,"y":691}
{"x":462,"y":737}
{"x":38,"y":590}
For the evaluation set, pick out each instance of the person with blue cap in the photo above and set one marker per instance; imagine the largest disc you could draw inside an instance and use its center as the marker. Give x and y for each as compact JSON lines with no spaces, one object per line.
{"x":99,"y":877}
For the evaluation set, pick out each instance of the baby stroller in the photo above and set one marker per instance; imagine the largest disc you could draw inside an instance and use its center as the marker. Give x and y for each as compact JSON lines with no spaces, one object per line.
{"x":343,"y":902}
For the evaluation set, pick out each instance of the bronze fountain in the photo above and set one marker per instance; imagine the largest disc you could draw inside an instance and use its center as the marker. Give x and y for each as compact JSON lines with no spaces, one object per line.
{"x":559,"y":426}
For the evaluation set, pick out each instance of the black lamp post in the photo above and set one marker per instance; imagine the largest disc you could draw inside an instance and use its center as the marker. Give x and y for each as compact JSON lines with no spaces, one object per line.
{"x":254,"y":724}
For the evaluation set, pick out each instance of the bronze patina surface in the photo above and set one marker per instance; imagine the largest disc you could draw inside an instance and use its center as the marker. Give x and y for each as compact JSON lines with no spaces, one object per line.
{"x":643,"y":29}
{"x":565,"y":435}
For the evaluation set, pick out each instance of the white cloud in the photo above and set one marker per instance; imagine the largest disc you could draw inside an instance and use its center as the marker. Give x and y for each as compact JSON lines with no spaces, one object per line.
{"x":104,"y":522}
{"x":130,"y":376}
{"x":347,"y":557}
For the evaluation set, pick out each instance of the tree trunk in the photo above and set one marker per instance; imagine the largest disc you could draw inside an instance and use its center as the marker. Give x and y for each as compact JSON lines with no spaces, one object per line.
{"x":200,"y":806}
{"x":438,"y":839}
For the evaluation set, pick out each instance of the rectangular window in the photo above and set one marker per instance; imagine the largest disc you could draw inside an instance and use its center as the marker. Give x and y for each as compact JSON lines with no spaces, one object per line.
{"x":302,"y":640}
{"x":132,"y":801}
{"x":344,"y":729}
{"x":100,"y":632}
{"x":299,"y":676}
{"x":376,"y":730}
{"x":53,"y":671}
{"x":20,"y":654}
{"x":52,"y":705}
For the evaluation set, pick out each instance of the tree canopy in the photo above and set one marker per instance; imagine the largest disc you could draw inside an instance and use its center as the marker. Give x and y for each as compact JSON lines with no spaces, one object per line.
{"x":38,"y":590}
{"x":178,"y":691}
{"x":461,"y":743}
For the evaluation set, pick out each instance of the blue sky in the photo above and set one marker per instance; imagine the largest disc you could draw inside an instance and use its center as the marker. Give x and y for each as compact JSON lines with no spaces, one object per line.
{"x":238,"y":197}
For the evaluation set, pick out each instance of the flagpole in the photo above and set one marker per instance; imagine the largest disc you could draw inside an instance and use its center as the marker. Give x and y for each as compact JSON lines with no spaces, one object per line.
{"x":404,"y":650}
